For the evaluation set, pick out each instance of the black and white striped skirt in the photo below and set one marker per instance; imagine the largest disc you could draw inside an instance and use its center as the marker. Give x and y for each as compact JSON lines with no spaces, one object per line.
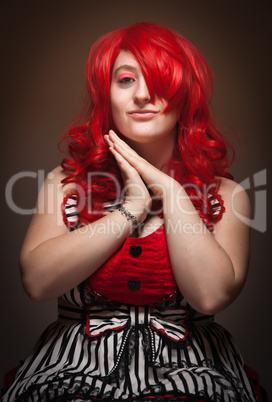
{"x":95,"y":352}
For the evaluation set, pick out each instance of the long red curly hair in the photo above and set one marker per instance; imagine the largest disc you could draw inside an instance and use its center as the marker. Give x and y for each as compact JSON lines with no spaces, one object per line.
{"x":173,"y":70}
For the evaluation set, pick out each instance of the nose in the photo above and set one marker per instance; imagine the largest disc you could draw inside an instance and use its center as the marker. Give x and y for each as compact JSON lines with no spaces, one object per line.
{"x":141,"y":94}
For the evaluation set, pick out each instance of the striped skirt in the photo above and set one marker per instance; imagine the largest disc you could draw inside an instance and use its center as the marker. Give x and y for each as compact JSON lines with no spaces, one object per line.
{"x":107,"y":352}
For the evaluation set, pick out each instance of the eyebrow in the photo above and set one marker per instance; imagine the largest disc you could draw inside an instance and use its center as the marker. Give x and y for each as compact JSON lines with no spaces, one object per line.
{"x":124,"y":66}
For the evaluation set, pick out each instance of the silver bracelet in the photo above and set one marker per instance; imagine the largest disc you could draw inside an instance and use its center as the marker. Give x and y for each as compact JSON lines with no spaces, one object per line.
{"x":124,"y":211}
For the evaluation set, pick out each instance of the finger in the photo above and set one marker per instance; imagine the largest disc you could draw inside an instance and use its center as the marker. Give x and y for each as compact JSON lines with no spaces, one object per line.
{"x":108,"y":141}
{"x":148,"y":172}
{"x":122,"y":162}
{"x":126,"y":151}
{"x":115,"y":147}
{"x":128,"y":173}
{"x":122,"y":144}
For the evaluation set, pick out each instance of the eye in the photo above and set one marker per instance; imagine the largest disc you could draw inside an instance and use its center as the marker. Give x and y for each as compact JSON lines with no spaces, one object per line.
{"x":126,"y":78}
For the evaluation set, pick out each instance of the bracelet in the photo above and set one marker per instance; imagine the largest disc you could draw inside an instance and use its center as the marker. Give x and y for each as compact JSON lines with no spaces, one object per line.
{"x":124,"y":211}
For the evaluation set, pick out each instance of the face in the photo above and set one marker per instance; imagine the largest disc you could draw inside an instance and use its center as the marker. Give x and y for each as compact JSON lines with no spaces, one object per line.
{"x":133,"y":113}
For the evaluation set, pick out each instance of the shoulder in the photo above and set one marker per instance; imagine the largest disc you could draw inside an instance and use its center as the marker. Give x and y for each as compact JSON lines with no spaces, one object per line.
{"x":236,"y":201}
{"x":53,"y":191}
{"x":55,"y":178}
{"x":227,"y":185}
{"x":56,"y":175}
{"x":234,"y":196}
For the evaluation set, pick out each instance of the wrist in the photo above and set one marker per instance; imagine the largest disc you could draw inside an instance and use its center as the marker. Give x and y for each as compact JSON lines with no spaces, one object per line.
{"x":171,"y":191}
{"x":175,"y":198}
{"x":134,"y":213}
{"x":129,"y":216}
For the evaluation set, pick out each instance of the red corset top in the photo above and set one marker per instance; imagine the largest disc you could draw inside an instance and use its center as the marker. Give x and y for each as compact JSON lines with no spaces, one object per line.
{"x":138,"y":273}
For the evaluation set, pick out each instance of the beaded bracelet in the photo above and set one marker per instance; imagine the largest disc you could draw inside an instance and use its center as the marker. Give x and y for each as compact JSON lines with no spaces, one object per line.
{"x":124,"y":211}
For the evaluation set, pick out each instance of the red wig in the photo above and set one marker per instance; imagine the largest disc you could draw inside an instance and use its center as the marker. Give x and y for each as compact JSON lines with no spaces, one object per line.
{"x":174,"y":70}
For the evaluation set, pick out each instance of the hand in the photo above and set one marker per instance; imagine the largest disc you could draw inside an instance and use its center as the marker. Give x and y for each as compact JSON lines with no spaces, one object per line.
{"x":158,"y":182}
{"x":138,"y":200}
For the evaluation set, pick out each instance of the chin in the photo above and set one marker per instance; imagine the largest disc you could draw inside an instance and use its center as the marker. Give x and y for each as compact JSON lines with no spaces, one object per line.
{"x":142,"y":138}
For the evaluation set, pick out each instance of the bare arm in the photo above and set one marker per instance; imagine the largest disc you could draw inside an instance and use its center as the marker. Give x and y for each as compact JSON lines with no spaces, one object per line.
{"x":53,"y":261}
{"x":210,"y":269}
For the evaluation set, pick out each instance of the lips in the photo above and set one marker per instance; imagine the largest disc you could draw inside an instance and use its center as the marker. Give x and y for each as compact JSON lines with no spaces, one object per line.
{"x":143,"y":114}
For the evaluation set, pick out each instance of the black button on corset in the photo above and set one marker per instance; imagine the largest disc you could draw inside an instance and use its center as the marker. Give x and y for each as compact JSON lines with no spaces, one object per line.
{"x":135,"y":251}
{"x":134,"y":284}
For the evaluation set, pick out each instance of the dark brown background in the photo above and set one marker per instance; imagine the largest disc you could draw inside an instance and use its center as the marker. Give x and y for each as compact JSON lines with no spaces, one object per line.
{"x":44,"y":50}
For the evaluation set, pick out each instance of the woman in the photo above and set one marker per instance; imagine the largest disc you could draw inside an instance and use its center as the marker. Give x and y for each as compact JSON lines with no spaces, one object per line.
{"x":154,"y":247}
